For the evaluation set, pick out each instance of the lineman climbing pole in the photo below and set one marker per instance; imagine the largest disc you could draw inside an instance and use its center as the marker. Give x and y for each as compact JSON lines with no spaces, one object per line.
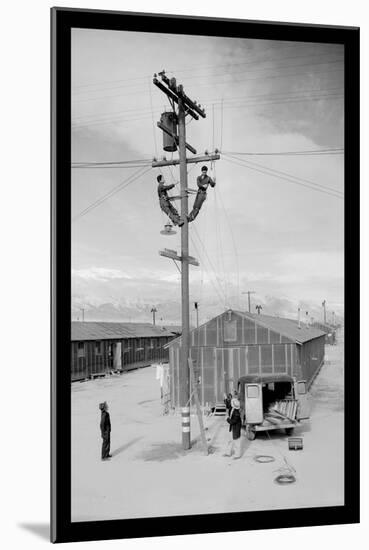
{"x":177,"y":131}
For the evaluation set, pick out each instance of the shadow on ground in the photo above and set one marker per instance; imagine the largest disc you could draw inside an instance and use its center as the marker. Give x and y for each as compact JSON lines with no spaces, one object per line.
{"x":42,"y":530}
{"x":125,"y":446}
{"x":163,"y":451}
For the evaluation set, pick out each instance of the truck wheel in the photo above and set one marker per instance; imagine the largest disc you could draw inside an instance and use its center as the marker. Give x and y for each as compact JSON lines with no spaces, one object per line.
{"x":250,"y":433}
{"x":289,"y":431}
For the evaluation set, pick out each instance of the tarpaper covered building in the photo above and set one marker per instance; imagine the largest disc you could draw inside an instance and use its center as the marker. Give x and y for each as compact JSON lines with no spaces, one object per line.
{"x":235,"y":344}
{"x":329,"y":330}
{"x":98,"y":348}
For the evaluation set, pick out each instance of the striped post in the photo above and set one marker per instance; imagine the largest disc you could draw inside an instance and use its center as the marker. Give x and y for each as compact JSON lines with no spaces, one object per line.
{"x":186,"y":435}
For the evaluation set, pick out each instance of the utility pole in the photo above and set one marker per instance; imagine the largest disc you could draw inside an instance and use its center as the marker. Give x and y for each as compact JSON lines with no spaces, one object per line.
{"x":248,"y":294}
{"x":325,"y":313}
{"x":83,"y":313}
{"x":184,"y":373}
{"x":153,"y":311}
{"x":197,"y":314}
{"x":185,"y":107}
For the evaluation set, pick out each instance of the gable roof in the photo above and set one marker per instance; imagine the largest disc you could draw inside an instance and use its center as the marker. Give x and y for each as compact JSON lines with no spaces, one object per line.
{"x":325,"y":327}
{"x":82,"y":331}
{"x":286,"y":327}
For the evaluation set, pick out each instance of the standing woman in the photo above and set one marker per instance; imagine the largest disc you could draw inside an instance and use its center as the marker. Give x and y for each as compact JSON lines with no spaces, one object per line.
{"x":105,"y":428}
{"x":235,"y":423}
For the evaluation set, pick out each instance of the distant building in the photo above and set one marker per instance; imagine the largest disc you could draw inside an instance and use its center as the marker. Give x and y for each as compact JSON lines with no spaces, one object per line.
{"x":98,"y":348}
{"x":330,"y":331}
{"x":235,"y":344}
{"x":176,"y":330}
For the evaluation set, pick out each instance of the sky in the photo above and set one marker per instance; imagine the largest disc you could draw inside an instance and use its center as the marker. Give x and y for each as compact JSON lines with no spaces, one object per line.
{"x":270,"y":106}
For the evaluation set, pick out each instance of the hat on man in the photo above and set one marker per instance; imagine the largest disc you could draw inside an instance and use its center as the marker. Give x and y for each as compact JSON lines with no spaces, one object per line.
{"x":204,"y":169}
{"x":235,"y":403}
{"x":102,"y":406}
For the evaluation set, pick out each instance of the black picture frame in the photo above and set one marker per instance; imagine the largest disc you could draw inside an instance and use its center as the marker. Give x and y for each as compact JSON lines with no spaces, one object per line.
{"x":62,"y":529}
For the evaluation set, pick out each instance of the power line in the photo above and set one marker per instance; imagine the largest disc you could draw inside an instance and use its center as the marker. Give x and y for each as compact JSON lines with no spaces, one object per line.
{"x":209,"y":261}
{"x":245,"y":105}
{"x":110,"y":167}
{"x":146,"y":162}
{"x":217,"y":193}
{"x":126,"y":82}
{"x":287,"y":177}
{"x":106,"y":163}
{"x":233,"y":81}
{"x":215,"y":101}
{"x":112,"y":192}
{"x":330,"y":151}
{"x":218,"y":289}
{"x":324,"y":187}
{"x":201,"y":67}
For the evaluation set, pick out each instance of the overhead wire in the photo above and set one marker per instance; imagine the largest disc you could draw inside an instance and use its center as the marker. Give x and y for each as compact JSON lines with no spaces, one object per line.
{"x":216,"y":101}
{"x":257,"y":63}
{"x":106,"y":196}
{"x":210,"y":263}
{"x":146,"y":161}
{"x":306,"y":152}
{"x":109,"y":163}
{"x":218,"y":289}
{"x":289,"y":178}
{"x":153,"y":123}
{"x":201,"y":67}
{"x":247,"y":103}
{"x":233,"y":242}
{"x":232,"y":80}
{"x":279,"y":172}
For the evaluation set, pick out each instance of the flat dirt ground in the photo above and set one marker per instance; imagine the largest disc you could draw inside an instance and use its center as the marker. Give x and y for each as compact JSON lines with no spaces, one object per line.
{"x":150,"y":475}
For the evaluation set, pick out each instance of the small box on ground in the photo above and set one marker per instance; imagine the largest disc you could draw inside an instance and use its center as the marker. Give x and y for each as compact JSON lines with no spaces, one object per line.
{"x":295,"y":443}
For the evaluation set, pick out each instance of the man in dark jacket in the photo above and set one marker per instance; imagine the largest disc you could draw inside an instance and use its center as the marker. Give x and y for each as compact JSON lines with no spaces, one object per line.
{"x":235,"y":423}
{"x":105,"y":428}
{"x":164,"y":201}
{"x":203,"y":183}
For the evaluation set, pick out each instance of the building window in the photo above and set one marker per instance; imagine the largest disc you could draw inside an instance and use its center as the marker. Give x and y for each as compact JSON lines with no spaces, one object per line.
{"x":230,"y":331}
{"x":81,"y":349}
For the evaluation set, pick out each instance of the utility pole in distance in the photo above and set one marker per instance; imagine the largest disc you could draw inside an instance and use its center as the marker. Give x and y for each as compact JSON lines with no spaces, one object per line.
{"x":153,"y":311}
{"x":185,"y":107}
{"x":325,"y":313}
{"x":248,"y":294}
{"x":196,"y":304}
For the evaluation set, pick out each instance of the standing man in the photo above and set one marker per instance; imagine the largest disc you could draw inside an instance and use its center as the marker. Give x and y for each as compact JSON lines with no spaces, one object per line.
{"x":164,"y":201}
{"x":235,"y":423}
{"x":105,"y":428}
{"x":203,"y":182}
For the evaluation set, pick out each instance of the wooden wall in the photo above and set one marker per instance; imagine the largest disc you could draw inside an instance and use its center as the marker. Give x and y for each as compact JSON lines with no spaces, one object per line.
{"x":225,"y":349}
{"x":220,"y":368}
{"x":97,"y":357}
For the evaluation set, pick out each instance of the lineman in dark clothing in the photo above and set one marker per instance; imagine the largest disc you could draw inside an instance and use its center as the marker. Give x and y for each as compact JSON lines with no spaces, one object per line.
{"x":203,"y":183}
{"x":164,"y":201}
{"x":105,"y":428}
